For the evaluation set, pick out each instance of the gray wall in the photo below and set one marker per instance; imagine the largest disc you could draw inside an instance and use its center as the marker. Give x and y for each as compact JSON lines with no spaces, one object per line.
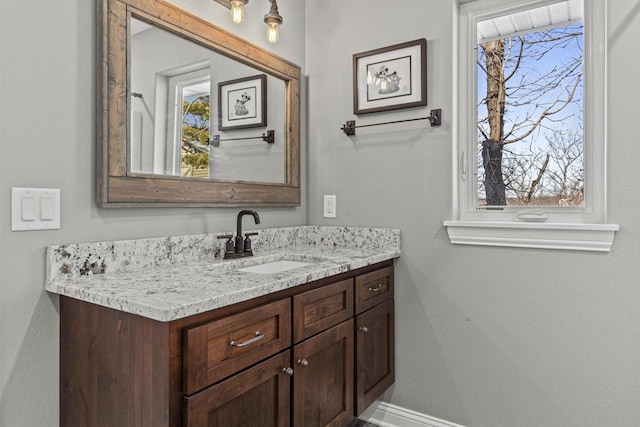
{"x":485,"y":336}
{"x":47,"y":79}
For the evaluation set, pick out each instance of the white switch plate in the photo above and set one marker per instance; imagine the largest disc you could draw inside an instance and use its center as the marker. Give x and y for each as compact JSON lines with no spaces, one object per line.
{"x":35,"y":209}
{"x":329,"y":210}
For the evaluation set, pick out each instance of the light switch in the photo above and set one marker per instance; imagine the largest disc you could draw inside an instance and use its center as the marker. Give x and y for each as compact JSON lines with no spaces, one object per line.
{"x":27,"y":209}
{"x":35,"y":209}
{"x":46,"y":209}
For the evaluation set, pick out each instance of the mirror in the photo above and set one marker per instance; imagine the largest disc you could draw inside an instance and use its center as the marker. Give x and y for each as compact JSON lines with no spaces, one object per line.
{"x":196,"y":113}
{"x":191,"y":115}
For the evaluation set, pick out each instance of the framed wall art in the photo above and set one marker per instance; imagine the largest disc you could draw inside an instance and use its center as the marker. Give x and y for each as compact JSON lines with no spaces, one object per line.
{"x":242,"y":103}
{"x":390,"y":78}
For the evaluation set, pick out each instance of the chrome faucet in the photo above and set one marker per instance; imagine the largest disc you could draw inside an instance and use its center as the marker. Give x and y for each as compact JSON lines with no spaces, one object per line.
{"x":242,"y":247}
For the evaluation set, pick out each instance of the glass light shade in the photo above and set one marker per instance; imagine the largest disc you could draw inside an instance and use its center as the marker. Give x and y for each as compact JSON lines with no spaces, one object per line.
{"x":237,"y":11}
{"x":273,"y":32}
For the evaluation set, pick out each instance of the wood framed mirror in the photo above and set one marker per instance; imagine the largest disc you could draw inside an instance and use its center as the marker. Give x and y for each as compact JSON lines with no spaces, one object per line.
{"x":123,"y":182}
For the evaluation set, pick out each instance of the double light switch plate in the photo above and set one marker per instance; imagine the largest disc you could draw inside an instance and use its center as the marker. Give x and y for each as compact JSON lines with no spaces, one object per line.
{"x":35,"y":209}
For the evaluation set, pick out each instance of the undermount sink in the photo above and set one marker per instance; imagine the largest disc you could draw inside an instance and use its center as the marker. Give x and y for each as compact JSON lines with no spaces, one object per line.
{"x":275,"y":266}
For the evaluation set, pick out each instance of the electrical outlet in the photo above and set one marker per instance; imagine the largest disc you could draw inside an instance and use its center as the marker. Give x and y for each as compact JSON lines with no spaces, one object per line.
{"x":329,"y":207}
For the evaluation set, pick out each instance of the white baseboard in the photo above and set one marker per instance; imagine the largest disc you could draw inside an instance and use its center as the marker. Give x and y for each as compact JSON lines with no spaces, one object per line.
{"x":387,"y":415}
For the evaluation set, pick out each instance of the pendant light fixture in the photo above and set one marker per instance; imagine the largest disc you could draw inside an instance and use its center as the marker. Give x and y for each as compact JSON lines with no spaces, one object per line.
{"x":237,"y":10}
{"x":272,"y":19}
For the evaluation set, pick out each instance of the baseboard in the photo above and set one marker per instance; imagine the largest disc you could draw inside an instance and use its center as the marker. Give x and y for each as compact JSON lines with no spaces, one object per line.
{"x":387,"y":415}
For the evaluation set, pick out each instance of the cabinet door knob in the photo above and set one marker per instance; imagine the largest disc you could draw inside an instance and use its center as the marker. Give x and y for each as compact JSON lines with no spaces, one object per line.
{"x":288,"y":371}
{"x":363,"y":329}
{"x":303,"y":362}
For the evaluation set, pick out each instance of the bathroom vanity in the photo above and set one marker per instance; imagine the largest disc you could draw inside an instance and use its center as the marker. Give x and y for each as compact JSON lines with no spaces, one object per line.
{"x":300,"y":335}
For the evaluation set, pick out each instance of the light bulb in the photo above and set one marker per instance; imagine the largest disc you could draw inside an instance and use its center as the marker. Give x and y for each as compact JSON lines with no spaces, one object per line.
{"x":273,"y":32}
{"x":237,"y":11}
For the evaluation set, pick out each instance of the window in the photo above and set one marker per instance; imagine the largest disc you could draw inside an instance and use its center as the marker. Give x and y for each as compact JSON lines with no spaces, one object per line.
{"x":189,"y":112}
{"x":531,"y":135}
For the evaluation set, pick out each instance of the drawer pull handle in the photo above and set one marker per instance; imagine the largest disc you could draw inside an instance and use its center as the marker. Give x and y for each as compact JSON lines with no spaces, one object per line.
{"x":379,"y":287}
{"x":258,"y":337}
{"x":303,"y":362}
{"x":288,"y":372}
{"x":363,"y":329}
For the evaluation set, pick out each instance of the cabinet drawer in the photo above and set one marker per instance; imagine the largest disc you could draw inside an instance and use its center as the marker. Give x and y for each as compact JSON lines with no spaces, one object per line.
{"x":215,"y":350}
{"x":317,"y":310}
{"x":373,"y":288}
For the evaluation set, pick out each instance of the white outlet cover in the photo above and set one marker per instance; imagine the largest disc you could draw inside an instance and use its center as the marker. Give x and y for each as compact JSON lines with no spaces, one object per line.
{"x":35,"y":209}
{"x":329,"y":208}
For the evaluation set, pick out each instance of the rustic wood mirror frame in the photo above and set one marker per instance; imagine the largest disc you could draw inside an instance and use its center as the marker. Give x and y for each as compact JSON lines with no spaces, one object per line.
{"x":116,"y":186}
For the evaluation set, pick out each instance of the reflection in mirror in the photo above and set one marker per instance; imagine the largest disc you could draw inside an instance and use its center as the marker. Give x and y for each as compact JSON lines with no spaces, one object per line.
{"x":175,"y":112}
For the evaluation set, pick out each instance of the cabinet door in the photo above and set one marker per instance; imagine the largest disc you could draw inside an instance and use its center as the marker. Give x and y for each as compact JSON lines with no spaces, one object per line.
{"x":323,"y":378}
{"x":375,"y":360}
{"x":259,"y":396}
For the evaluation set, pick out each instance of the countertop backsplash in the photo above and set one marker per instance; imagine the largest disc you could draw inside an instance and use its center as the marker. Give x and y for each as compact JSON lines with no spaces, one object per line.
{"x":86,"y":259}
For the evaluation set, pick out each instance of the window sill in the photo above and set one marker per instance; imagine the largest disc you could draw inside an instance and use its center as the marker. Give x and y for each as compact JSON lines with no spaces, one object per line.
{"x":571,"y":237}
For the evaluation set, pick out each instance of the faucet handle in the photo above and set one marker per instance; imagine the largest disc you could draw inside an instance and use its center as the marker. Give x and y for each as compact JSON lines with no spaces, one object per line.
{"x":247,"y":240}
{"x":229,"y":246}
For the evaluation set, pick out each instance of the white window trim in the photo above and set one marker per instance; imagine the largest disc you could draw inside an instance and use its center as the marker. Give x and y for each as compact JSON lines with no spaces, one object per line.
{"x":584,"y":229}
{"x":177,"y":84}
{"x":166,"y":146}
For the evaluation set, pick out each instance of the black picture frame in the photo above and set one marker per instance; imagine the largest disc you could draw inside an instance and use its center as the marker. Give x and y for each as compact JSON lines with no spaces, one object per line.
{"x":390,"y":78}
{"x":242,"y":103}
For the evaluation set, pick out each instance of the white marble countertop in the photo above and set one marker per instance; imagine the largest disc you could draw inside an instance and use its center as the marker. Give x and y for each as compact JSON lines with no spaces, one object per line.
{"x":171,"y":278}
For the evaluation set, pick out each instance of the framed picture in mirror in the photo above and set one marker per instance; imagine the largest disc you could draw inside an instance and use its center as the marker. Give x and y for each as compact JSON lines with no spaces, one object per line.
{"x":242,"y":103}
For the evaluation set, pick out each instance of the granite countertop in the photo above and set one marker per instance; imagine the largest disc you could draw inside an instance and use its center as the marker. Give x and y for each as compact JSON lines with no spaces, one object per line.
{"x":170,"y":278}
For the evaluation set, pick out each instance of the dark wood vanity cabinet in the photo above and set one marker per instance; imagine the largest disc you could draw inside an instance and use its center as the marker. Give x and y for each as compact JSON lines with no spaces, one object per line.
{"x":323,"y":355}
{"x":314,"y":355}
{"x":259,"y":395}
{"x":374,"y":329}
